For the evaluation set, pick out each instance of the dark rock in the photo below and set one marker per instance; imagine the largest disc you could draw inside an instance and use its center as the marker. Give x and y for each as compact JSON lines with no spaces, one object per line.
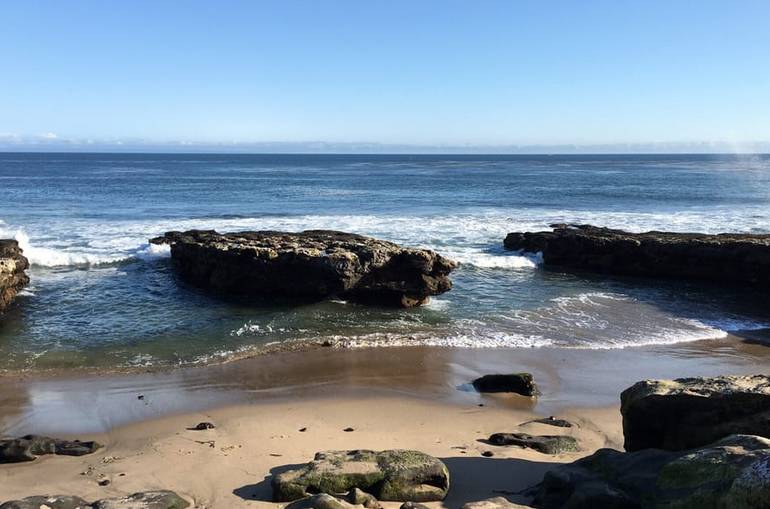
{"x":51,"y":502}
{"x":691,"y":412}
{"x":547,"y":444}
{"x":487,"y":454}
{"x":302,"y":430}
{"x":520,"y":383}
{"x":731,"y":258}
{"x":146,"y":500}
{"x":348,"y":430}
{"x":201,"y":426}
{"x":321,"y":501}
{"x":413,"y":505}
{"x":359,"y":497}
{"x":493,"y":503}
{"x":551,"y":421}
{"x":309,"y":266}
{"x":731,"y":473}
{"x":162,"y":499}
{"x":12,"y":275}
{"x":28,"y":447}
{"x":396,"y":475}
{"x":104,"y":482}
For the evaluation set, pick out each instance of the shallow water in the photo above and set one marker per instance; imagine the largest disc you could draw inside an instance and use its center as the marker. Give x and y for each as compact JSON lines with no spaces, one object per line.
{"x":101,"y":296}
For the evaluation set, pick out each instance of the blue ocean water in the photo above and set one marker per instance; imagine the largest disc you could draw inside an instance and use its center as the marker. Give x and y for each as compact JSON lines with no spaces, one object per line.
{"x":101,"y":296}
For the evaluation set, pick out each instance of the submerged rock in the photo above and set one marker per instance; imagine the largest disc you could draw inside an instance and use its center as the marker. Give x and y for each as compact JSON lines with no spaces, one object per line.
{"x":520,"y":383}
{"x":308,"y":266}
{"x":29,"y":447}
{"x":690,"y":412}
{"x":547,"y":444}
{"x":731,"y":473}
{"x":396,"y":475}
{"x":12,"y":275}
{"x":162,"y":499}
{"x":732,"y":258}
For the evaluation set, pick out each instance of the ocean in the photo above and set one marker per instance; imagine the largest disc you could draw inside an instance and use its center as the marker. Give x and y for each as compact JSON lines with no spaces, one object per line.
{"x":102,"y":297}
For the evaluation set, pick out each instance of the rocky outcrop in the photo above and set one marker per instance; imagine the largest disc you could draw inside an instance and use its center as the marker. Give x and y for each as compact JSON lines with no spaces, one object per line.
{"x":396,"y":475}
{"x":162,"y":499}
{"x":520,"y":383}
{"x":29,"y":447}
{"x":354,"y":499}
{"x":731,"y":258}
{"x":691,"y":412}
{"x":731,"y":473}
{"x":547,"y":444}
{"x":308,"y":266}
{"x":12,"y":275}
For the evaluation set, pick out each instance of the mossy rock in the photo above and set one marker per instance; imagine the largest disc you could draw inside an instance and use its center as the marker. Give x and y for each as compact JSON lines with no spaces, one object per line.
{"x":732,"y":473}
{"x":395,"y":475}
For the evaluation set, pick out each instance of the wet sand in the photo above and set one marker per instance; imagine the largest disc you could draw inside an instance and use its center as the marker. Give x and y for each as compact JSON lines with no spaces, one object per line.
{"x":393,"y":397}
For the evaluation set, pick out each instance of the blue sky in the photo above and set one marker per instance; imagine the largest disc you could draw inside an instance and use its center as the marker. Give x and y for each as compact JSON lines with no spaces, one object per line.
{"x":414,"y":73}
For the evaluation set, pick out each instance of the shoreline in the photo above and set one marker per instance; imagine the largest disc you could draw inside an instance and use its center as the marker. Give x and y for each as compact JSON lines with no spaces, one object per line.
{"x":568,"y":378}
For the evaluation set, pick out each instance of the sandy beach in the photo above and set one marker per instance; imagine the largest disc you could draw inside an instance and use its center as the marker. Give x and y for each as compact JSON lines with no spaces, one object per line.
{"x":406,"y":398}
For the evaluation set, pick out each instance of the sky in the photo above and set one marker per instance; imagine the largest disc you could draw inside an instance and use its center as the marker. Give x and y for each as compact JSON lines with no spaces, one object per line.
{"x":380,"y":75}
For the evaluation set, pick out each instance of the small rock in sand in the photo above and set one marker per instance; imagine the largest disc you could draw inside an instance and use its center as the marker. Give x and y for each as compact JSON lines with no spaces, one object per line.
{"x":547,"y":444}
{"x":201,"y":426}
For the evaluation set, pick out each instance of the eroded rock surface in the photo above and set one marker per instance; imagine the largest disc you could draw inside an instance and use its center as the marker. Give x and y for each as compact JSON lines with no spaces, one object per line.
{"x":731,"y":473}
{"x":29,"y":447}
{"x":690,"y":412}
{"x":12,"y":275}
{"x":52,"y":502}
{"x":732,"y":258}
{"x":395,"y":475}
{"x":308,"y":266}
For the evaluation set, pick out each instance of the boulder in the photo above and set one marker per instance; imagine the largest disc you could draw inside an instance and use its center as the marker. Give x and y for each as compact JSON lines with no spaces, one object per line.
{"x":52,"y":502}
{"x":731,"y":473}
{"x":520,"y":383}
{"x":29,"y":447}
{"x":690,"y":412}
{"x":161,"y":499}
{"x":322,"y":501}
{"x":494,"y":503}
{"x":547,"y":444}
{"x":12,"y":275}
{"x":395,"y":475}
{"x":309,"y":266}
{"x":732,"y":258}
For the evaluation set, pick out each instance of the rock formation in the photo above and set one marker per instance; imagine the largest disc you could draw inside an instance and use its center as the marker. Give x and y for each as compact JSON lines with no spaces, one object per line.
{"x":396,"y":475}
{"x":29,"y":447}
{"x":731,"y":258}
{"x":308,"y":266}
{"x":547,"y":444}
{"x":731,"y":473}
{"x":691,"y":412}
{"x":161,"y":499}
{"x":520,"y":383}
{"x":12,"y":275}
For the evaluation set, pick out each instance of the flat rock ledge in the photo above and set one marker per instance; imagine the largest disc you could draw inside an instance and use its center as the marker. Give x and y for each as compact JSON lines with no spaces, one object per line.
{"x":691,"y":412}
{"x":394,"y":475}
{"x":309,"y":266}
{"x":546,"y":444}
{"x":161,"y":499}
{"x":731,"y":258}
{"x":29,"y":447}
{"x":731,"y":473}
{"x":12,"y":275}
